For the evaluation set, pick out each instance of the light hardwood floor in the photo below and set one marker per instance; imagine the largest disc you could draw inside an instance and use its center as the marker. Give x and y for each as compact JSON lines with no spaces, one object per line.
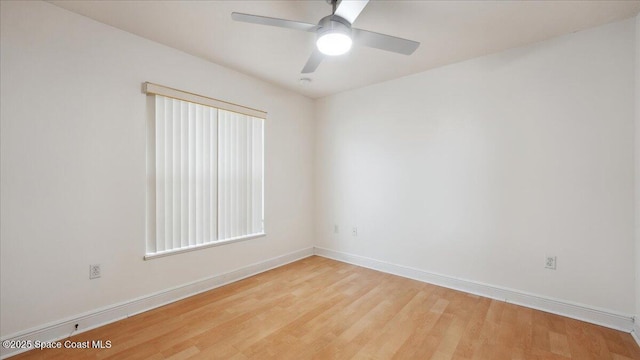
{"x":318,"y":308}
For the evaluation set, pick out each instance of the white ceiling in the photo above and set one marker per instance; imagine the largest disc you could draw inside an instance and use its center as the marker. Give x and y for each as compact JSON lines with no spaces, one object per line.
{"x":450,"y":31}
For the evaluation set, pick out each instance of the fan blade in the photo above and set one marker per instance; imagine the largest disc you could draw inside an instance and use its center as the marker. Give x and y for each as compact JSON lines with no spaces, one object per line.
{"x":264,"y":20}
{"x":314,"y":60}
{"x":350,"y":9}
{"x":384,"y":42}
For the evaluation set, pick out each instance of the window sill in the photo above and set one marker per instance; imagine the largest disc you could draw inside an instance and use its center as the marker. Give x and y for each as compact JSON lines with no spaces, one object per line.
{"x":202,"y":246}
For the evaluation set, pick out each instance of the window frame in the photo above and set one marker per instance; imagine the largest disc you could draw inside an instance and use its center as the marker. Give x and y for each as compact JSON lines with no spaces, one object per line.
{"x":150,"y":217}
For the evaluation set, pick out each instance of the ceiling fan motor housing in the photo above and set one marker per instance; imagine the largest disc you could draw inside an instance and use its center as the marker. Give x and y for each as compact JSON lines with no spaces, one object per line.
{"x":333,"y":23}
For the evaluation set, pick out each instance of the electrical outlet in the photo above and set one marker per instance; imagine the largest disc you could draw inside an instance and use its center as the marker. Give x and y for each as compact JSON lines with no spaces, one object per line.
{"x":550,"y":262}
{"x":336,"y":229}
{"x":94,"y":271}
{"x":354,"y":231}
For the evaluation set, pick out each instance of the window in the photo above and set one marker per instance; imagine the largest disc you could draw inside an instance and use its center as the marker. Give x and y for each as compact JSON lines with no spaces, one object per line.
{"x":206,"y":172}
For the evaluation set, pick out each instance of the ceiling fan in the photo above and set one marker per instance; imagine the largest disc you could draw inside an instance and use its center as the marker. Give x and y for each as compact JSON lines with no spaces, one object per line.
{"x":334,"y":34}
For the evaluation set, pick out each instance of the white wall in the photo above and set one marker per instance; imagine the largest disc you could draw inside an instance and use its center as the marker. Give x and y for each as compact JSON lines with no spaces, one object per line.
{"x":637,"y":168}
{"x":73,"y":165}
{"x":479,"y":169}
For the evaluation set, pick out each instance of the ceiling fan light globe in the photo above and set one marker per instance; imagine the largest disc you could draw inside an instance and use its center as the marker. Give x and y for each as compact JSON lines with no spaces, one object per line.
{"x":334,"y":43}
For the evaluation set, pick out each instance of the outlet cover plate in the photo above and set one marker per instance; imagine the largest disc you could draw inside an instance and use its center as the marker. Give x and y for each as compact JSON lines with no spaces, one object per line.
{"x":550,"y":262}
{"x":95,"y":271}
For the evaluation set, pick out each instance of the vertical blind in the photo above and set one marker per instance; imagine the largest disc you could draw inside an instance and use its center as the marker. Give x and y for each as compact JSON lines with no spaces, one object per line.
{"x":239,"y":175}
{"x":209,"y":176}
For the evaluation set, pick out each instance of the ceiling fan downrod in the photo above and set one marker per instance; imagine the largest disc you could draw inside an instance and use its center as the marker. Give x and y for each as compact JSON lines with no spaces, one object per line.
{"x":333,"y":4}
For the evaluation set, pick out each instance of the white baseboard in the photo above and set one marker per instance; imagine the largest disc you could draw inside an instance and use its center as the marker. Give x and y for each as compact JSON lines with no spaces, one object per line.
{"x":610,"y":319}
{"x":91,"y":320}
{"x":636,"y":333}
